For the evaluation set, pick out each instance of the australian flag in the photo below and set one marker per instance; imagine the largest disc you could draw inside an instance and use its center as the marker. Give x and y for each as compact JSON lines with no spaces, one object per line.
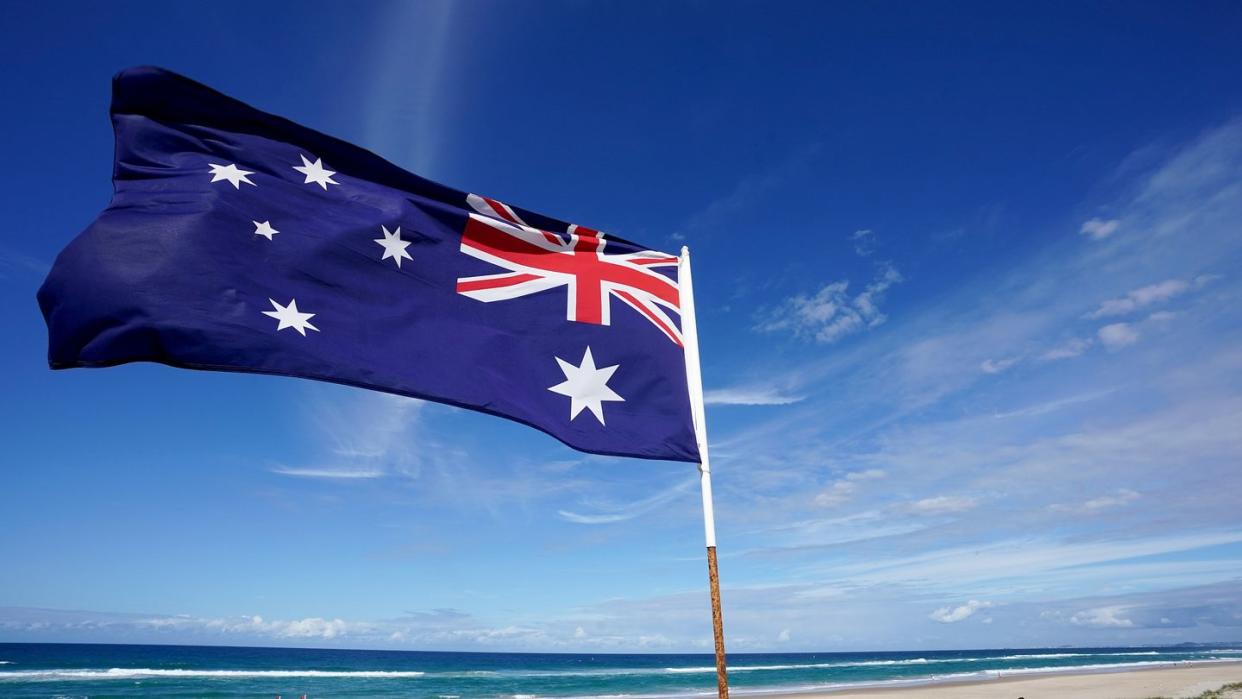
{"x":240,"y":241}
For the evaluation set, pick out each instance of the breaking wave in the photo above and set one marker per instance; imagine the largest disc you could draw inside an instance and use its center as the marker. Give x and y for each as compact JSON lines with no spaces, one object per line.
{"x":127,"y":673}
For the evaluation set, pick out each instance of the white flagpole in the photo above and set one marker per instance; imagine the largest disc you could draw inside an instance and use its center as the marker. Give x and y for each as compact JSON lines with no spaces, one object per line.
{"x":694,"y":381}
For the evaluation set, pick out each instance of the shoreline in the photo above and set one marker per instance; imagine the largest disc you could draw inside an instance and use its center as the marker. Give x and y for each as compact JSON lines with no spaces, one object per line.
{"x":1188,"y":680}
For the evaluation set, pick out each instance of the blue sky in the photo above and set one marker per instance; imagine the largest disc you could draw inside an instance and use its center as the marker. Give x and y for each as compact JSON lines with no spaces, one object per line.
{"x":968,"y":293}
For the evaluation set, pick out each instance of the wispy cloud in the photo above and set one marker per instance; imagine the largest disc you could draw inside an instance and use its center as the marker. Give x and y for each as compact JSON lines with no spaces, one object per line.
{"x":843,"y":489}
{"x":1117,"y":335}
{"x":747,"y":193}
{"x":363,"y":435}
{"x":613,"y":513}
{"x":1099,"y":229}
{"x":951,"y":615}
{"x":411,"y":85}
{"x":750,"y":395}
{"x":328,"y":473}
{"x":996,"y":366}
{"x":1120,"y":498}
{"x":1068,"y":349}
{"x":1141,"y":298}
{"x":864,"y":242}
{"x":14,"y":263}
{"x":832,"y":313}
{"x":1054,"y":405}
{"x":944,"y":504}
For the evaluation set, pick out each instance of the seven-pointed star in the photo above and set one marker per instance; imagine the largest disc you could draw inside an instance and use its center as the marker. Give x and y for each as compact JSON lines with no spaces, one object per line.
{"x":231,"y":173}
{"x":316,"y":173}
{"x":265,"y":229}
{"x":393,"y":245}
{"x":290,"y":317}
{"x":586,"y":386}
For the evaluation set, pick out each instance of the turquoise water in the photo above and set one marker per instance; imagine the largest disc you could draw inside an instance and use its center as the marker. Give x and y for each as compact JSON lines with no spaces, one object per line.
{"x":68,"y":670}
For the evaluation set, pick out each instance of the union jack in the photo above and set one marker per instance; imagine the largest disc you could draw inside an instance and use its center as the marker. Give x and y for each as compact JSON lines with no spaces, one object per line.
{"x":539,"y":260}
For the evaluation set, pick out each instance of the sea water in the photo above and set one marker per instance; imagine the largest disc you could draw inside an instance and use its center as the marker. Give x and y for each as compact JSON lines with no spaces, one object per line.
{"x":71,"y":670}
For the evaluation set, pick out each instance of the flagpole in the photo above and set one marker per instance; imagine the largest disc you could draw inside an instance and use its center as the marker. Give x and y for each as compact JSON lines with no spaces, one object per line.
{"x":694,"y":381}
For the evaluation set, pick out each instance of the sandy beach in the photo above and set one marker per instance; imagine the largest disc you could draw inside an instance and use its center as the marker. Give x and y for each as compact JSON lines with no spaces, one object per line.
{"x":1180,"y":682}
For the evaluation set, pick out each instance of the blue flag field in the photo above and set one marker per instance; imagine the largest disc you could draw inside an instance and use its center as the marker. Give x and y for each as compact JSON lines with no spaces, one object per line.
{"x":240,"y":241}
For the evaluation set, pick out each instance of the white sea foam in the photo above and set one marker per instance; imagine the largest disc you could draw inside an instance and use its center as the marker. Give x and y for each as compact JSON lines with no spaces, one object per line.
{"x":1103,"y":666}
{"x":812,"y":666}
{"x":126,"y":673}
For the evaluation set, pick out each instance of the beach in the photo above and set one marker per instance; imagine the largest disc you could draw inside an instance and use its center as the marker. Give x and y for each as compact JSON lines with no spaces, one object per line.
{"x":1178,"y":682}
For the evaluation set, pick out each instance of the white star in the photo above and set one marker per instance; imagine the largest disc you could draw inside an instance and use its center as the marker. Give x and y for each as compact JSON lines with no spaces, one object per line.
{"x":316,"y":173}
{"x":264,"y":229}
{"x":586,"y":386}
{"x":290,"y":317}
{"x":393,"y":245}
{"x":231,"y":173}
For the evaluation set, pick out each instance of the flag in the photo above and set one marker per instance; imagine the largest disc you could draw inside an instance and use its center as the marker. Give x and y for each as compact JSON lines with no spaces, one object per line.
{"x":240,"y":241}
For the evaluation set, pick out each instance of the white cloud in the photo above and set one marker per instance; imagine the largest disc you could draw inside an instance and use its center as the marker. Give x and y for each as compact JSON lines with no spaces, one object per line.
{"x":621,"y":512}
{"x":1102,"y":617}
{"x":1099,"y":229}
{"x":1120,"y":498}
{"x":755,"y":395}
{"x":842,"y":490}
{"x":1141,"y":297}
{"x":943,"y":504}
{"x":950,"y":615}
{"x":409,"y":73}
{"x":1072,"y":347}
{"x":996,"y":366}
{"x":864,"y":242}
{"x":1204,"y":279}
{"x":1054,"y":405}
{"x":313,"y":628}
{"x":1124,"y":496}
{"x":831,"y":313}
{"x":362,"y":434}
{"x":1117,"y":335}
{"x":783,"y":636}
{"x":329,"y":473}
{"x":14,"y":263}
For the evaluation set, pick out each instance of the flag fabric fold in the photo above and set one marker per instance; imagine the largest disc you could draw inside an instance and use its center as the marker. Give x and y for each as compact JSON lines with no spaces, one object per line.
{"x":240,"y":241}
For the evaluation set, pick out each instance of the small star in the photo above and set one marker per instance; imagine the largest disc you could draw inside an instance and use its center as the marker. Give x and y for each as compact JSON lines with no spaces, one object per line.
{"x":316,"y":173}
{"x":586,"y":386}
{"x":393,"y":245}
{"x":264,"y":229}
{"x":231,"y":173}
{"x":290,"y":317}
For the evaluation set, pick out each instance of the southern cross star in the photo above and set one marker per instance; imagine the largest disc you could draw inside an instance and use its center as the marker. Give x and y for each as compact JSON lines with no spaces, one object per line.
{"x":290,"y":317}
{"x":264,"y":229}
{"x":231,"y":173}
{"x":316,"y":173}
{"x":586,"y":386}
{"x":393,"y":245}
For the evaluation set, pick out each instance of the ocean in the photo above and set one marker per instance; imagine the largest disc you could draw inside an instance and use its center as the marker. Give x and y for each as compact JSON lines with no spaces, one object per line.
{"x":72,"y":670}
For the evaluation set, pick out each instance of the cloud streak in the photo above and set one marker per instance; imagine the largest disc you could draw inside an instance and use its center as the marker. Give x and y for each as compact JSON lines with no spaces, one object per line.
{"x":628,"y":511}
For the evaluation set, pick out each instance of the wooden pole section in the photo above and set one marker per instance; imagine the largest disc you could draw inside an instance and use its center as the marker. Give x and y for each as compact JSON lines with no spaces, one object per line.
{"x":694,"y":382}
{"x":722,"y":675}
